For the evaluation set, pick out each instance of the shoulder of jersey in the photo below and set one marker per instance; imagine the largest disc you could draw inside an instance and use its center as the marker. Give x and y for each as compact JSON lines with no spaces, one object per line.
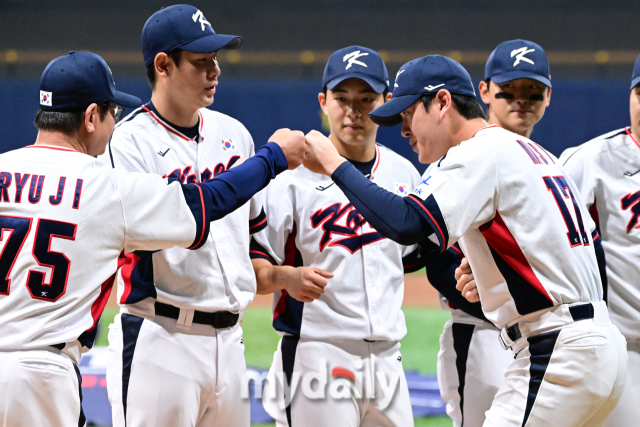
{"x":218,"y":116}
{"x":388,"y":155}
{"x":598,"y":145}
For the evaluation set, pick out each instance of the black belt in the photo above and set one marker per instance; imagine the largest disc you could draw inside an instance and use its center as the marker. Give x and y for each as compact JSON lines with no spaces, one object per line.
{"x":218,"y":319}
{"x":578,"y":312}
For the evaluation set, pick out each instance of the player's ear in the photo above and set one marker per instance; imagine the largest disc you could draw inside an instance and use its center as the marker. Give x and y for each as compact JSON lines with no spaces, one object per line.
{"x":388,"y":97}
{"x":483,"y":89}
{"x":322,"y":99}
{"x":443,"y":98}
{"x":90,"y":118}
{"x":548,"y":101}
{"x":161,"y":64}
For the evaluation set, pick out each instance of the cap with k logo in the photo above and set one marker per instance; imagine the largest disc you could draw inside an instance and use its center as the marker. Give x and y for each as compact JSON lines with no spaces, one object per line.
{"x":518,"y":59}
{"x":356,"y":62}
{"x":184,"y":27}
{"x":422,"y":76}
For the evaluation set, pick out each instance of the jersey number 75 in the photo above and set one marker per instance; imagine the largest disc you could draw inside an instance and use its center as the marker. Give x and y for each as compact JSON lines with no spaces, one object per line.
{"x":46,"y":230}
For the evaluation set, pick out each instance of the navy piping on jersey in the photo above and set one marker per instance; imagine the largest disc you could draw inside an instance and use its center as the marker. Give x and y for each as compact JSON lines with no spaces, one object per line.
{"x":81,"y":418}
{"x":137,"y":274}
{"x":288,"y":351}
{"x":258,"y":223}
{"x":287,"y":316}
{"x":433,"y":215}
{"x":623,"y":130}
{"x":130,"y":330}
{"x":462,"y":334}
{"x":540,"y":349}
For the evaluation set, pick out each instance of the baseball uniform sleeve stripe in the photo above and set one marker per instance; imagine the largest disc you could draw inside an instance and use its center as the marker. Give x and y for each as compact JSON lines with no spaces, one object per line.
{"x":528,"y":293}
{"x":540,"y":347}
{"x":413,"y":261}
{"x":431,"y":212}
{"x":195,"y":200}
{"x":256,"y":250}
{"x":258,"y":223}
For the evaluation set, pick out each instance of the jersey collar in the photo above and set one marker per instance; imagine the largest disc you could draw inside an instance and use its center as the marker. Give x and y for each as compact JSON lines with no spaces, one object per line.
{"x":52,"y":147}
{"x":486,"y":127}
{"x":633,"y":138}
{"x":168,"y":125}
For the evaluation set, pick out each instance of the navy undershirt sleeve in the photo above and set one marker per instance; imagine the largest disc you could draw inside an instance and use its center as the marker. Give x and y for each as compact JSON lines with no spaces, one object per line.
{"x":233,"y":188}
{"x":441,"y":274}
{"x":390,"y":214}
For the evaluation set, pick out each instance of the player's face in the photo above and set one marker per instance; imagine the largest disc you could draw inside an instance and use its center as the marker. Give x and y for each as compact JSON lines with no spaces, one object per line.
{"x":347,"y":107}
{"x":634,"y":110}
{"x":427,"y":135}
{"x":193,"y":83}
{"x":516,"y":105}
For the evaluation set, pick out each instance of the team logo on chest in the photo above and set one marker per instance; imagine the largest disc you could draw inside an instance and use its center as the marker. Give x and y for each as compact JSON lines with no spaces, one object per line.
{"x":632,"y":202}
{"x":343,"y":221}
{"x":228,"y":144}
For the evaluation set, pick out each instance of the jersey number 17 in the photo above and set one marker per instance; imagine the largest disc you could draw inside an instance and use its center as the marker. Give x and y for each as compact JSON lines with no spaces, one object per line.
{"x":560,"y":189}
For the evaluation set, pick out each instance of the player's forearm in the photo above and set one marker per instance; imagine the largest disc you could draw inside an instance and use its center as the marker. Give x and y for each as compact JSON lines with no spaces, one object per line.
{"x":388,"y":213}
{"x":233,"y":188}
{"x":269,"y":278}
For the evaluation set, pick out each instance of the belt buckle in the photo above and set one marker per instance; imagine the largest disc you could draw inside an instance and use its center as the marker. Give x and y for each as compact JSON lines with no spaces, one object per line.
{"x":502,"y":342}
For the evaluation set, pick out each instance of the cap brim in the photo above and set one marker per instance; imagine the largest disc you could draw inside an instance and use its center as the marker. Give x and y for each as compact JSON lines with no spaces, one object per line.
{"x":212,"y":43}
{"x":635,"y":82}
{"x":515,"y":75}
{"x":388,"y":114}
{"x":126,"y":100}
{"x":376,"y":85}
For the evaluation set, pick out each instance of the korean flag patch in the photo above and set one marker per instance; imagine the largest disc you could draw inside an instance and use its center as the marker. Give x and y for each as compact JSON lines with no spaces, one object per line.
{"x":401,"y":189}
{"x":228,"y":144}
{"x":45,"y":98}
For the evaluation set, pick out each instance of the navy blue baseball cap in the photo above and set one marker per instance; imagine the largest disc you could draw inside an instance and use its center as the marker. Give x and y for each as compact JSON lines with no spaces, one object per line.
{"x":635,"y":77}
{"x":78,"y":79}
{"x":518,"y":59}
{"x":356,"y":62}
{"x":422,"y":76}
{"x":184,"y":27}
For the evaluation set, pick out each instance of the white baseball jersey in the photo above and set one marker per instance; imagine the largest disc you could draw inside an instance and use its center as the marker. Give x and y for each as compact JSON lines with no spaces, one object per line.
{"x":607,"y":173}
{"x":520,"y":222}
{"x":312,"y":223}
{"x":219,"y":275}
{"x":65,"y":223}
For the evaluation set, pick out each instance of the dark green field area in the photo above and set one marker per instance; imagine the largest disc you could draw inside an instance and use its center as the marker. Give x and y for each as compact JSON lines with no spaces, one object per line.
{"x":419,"y":347}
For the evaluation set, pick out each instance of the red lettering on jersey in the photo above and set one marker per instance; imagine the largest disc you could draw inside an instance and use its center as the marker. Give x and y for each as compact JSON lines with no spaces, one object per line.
{"x":206,"y":174}
{"x":184,"y":177}
{"x":632,"y":201}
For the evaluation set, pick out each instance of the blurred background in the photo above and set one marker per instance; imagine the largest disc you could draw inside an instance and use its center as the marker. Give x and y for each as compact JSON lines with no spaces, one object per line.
{"x":274,"y":79}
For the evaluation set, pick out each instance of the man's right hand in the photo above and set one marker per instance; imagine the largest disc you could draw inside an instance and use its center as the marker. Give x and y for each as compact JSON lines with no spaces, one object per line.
{"x":292,"y":144}
{"x":466,"y":282}
{"x":304,"y":284}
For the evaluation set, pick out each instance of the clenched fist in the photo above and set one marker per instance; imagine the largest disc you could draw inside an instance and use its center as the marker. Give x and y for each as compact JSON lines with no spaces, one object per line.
{"x":466,"y":283}
{"x":292,"y":144}
{"x":321,"y":156}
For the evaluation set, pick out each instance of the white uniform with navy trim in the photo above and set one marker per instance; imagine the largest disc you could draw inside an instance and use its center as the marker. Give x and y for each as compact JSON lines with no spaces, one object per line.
{"x":216,"y":277}
{"x":527,"y":236}
{"x":606,"y":170}
{"x":65,"y":221}
{"x":312,"y":223}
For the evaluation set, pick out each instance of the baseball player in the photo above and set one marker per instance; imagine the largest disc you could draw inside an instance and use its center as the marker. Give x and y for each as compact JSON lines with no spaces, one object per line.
{"x":471,"y":362}
{"x":523,"y":226}
{"x":606,"y":170}
{"x":176,"y":349}
{"x":345,"y":332}
{"x":66,"y":224}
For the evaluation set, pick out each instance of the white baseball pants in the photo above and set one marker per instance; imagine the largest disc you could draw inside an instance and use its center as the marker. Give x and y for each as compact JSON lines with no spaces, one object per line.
{"x":346,"y":383}
{"x":162,"y":375}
